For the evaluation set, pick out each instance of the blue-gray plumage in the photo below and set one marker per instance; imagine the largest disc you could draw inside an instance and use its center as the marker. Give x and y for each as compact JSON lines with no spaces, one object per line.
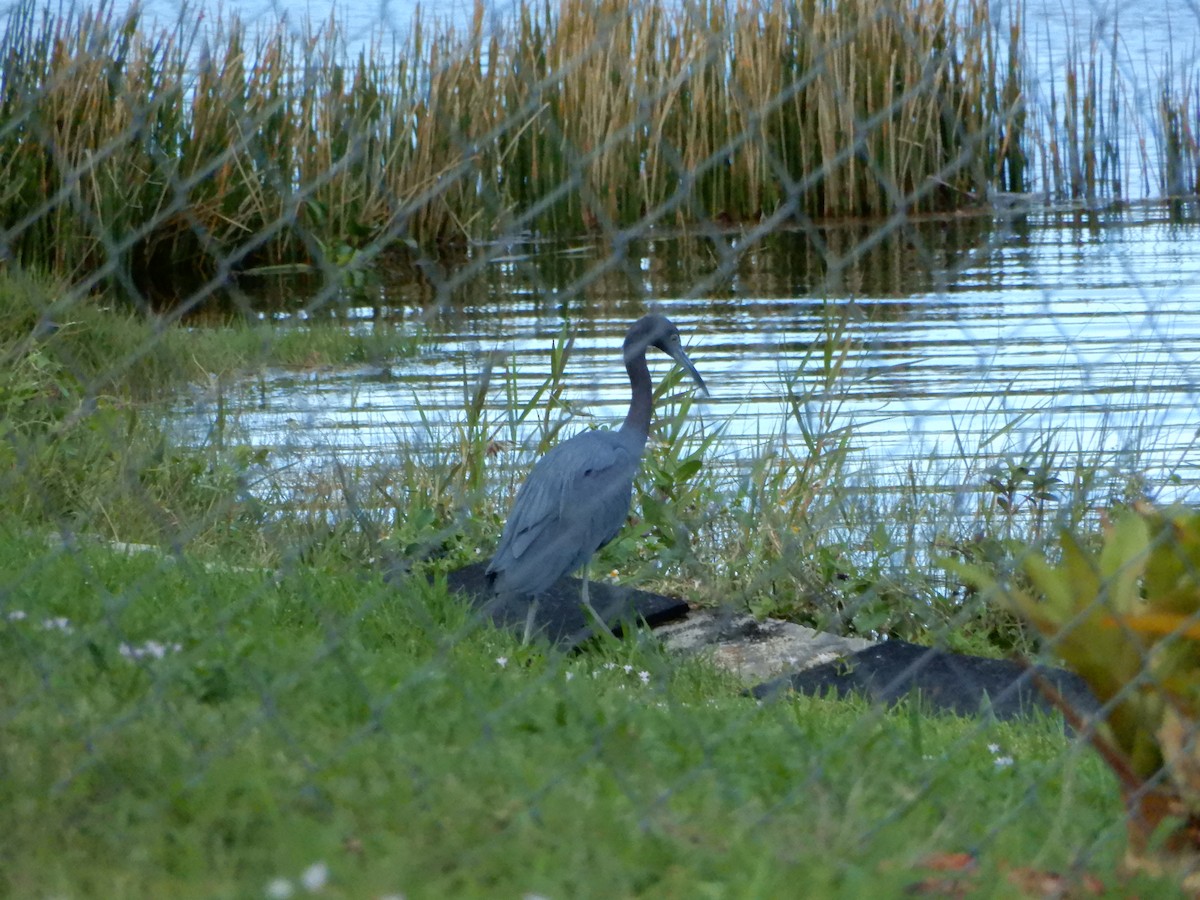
{"x":577,"y":496}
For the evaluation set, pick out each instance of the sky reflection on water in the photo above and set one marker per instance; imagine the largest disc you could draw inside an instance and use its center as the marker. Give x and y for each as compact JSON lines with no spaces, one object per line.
{"x":966,"y":341}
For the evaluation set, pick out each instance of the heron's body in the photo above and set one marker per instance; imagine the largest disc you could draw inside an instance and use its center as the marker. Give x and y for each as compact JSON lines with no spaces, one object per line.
{"x":574,"y":502}
{"x":577,"y":496}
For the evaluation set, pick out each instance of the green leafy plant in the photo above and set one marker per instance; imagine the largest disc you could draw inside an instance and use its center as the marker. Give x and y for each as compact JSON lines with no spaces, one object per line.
{"x":1124,"y":613}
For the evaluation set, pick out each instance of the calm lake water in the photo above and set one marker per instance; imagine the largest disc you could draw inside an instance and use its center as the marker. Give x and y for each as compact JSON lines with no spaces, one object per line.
{"x":968,"y":339}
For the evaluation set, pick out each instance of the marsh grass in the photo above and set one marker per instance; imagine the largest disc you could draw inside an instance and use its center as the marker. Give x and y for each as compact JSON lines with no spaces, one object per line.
{"x":1179,"y":115}
{"x":1086,"y":127}
{"x":163,"y":160}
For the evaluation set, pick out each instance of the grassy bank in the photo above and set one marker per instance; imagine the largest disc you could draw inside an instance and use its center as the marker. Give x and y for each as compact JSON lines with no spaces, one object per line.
{"x":170,"y":729}
{"x":86,"y":390}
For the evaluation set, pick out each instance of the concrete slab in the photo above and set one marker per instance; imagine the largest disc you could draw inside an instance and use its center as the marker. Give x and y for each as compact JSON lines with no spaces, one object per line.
{"x":776,"y":656}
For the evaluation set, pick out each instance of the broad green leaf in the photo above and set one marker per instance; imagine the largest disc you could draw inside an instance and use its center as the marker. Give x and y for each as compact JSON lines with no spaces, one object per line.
{"x":1123,"y":560}
{"x":1055,"y":586}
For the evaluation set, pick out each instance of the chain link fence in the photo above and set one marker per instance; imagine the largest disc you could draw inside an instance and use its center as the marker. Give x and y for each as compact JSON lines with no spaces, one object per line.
{"x":291,"y":303}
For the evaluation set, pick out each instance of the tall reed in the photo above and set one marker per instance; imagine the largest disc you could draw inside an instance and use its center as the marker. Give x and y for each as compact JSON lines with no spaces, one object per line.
{"x":1179,"y":117}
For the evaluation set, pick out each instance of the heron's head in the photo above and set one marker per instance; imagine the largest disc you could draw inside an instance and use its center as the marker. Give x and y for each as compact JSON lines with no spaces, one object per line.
{"x":659,"y":332}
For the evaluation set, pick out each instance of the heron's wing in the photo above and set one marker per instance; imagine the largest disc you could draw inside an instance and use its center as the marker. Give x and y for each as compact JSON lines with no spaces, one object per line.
{"x":574,"y":501}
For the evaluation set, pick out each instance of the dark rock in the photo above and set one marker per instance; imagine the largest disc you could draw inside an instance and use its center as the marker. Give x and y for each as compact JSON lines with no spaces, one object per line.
{"x":560,"y":616}
{"x":951,"y":682}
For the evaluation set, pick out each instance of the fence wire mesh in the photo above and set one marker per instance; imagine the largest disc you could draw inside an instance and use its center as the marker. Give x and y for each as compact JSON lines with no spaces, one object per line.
{"x":292,"y":300}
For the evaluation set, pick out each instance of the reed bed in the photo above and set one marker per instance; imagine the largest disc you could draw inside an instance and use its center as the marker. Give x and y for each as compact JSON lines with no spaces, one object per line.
{"x":135,"y":153}
{"x":132,"y":151}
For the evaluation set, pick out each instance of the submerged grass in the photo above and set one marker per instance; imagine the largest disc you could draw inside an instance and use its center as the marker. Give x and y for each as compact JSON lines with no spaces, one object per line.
{"x":53,"y":328}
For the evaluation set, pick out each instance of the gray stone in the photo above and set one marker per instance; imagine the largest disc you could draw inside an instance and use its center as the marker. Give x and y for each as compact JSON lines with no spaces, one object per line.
{"x":755,"y":650}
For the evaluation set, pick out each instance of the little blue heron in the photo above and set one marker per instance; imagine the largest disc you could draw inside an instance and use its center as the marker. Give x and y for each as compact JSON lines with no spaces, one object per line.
{"x":577,"y":496}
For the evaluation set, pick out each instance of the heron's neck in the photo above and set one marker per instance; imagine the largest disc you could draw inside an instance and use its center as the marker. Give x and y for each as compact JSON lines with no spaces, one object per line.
{"x":640,"y":407}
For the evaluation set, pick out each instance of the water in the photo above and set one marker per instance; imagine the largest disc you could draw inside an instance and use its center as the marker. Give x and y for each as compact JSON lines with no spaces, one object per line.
{"x":966,"y":340}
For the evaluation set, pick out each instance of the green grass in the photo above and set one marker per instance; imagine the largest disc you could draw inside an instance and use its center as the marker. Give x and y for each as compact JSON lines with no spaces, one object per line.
{"x":311,"y":715}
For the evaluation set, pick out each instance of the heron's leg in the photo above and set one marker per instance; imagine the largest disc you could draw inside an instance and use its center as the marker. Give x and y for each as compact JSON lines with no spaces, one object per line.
{"x":587,"y":604}
{"x":530,"y":619}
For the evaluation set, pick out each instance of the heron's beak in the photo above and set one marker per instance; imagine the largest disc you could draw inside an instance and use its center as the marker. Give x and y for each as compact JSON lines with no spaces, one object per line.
{"x":677,"y":354}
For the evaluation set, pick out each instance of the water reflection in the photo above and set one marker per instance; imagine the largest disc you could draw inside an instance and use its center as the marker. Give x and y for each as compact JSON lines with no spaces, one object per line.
{"x":967,"y":338}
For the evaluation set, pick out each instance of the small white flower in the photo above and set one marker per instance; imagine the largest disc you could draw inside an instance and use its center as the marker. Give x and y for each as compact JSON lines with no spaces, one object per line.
{"x":17,"y":615}
{"x":315,"y":877}
{"x":570,"y":675}
{"x":279,"y":889}
{"x":610,"y":665}
{"x":645,"y":676}
{"x":993,"y":749}
{"x":148,"y":650}
{"x":502,"y":661}
{"x":628,"y":669}
{"x":58,"y":623}
{"x":1003,"y":762}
